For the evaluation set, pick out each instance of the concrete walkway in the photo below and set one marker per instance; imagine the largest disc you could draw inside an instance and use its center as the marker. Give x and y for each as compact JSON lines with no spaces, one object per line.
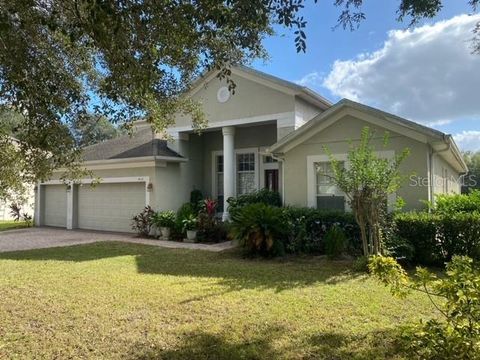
{"x":44,"y":237}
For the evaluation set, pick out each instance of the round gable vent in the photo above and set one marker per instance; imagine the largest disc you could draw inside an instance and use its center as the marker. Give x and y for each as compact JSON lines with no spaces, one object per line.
{"x":223,"y":94}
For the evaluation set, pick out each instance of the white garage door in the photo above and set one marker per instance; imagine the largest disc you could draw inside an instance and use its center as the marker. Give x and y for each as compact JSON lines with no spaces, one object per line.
{"x":110,"y":207}
{"x":55,"y":213}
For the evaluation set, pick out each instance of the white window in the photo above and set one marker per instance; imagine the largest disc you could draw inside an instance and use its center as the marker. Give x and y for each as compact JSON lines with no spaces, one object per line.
{"x":246,"y":173}
{"x":328,"y":196}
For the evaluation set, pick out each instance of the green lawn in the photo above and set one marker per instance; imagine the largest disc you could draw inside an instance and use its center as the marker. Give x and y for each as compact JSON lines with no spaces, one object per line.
{"x":116,"y":300}
{"x":9,"y":225}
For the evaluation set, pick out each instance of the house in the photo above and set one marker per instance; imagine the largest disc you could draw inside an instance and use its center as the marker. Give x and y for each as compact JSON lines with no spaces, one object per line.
{"x":271,"y":133}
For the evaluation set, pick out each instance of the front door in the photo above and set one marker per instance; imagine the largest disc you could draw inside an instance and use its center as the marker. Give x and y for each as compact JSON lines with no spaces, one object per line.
{"x":271,"y":179}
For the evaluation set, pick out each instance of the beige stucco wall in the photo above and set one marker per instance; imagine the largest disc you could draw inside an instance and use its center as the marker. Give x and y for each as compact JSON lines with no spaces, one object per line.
{"x":250,"y":99}
{"x":453,"y":177}
{"x":336,"y":138}
{"x":304,"y":112}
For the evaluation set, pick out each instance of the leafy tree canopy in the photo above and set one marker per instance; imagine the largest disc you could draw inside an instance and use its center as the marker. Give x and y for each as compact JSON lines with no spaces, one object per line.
{"x":89,"y":129}
{"x":472,"y":180}
{"x":59,"y":60}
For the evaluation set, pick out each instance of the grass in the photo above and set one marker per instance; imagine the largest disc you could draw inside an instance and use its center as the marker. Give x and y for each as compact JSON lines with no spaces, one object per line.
{"x":10,"y":224}
{"x":117,"y":300}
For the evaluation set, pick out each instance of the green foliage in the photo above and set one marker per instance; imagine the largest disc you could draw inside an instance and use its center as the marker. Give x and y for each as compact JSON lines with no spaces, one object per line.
{"x":436,"y":238}
{"x":88,"y":129}
{"x":62,"y":60}
{"x":190,"y":223}
{"x":419,"y":229}
{"x":367,"y":182}
{"x":260,"y":228}
{"x":335,"y":242}
{"x":455,"y":295}
{"x":472,"y":179}
{"x":210,"y":228}
{"x":454,"y":203}
{"x":142,"y":222}
{"x":196,"y":199}
{"x":263,"y":196}
{"x":390,"y":273}
{"x":361,"y":264}
{"x":164,"y":218}
{"x":309,"y":226}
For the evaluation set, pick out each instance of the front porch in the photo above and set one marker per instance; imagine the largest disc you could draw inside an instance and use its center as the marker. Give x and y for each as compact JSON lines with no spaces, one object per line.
{"x":230,"y":161}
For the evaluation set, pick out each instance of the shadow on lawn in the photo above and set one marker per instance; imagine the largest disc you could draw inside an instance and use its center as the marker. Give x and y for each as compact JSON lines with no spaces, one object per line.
{"x":228,"y":267}
{"x":201,"y":345}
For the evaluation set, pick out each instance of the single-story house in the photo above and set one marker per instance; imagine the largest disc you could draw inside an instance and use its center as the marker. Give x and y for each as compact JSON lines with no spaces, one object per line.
{"x":270,"y":133}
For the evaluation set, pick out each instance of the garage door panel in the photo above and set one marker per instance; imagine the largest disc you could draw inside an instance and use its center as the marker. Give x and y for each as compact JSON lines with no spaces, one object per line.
{"x":55,"y":205}
{"x":109,"y":207}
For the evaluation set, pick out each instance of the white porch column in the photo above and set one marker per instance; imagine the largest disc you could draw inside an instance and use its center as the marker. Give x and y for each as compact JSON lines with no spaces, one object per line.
{"x":228,"y":167}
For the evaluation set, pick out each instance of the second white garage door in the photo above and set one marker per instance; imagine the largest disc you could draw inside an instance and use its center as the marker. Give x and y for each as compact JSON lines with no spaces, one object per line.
{"x":110,"y":207}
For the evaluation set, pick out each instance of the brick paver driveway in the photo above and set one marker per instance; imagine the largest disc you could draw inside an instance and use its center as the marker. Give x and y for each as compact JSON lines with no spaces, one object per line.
{"x":44,"y":237}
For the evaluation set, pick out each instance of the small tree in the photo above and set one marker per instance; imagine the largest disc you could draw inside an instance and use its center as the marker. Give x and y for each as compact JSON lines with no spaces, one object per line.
{"x":456,"y":296}
{"x":367,"y":181}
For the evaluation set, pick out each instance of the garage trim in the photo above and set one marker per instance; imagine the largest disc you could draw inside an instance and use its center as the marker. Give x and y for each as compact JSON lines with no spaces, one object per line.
{"x":70,"y":201}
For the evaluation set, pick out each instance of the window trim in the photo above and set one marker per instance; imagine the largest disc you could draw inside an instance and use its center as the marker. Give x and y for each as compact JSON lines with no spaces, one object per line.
{"x":216,"y":153}
{"x":312,"y":182}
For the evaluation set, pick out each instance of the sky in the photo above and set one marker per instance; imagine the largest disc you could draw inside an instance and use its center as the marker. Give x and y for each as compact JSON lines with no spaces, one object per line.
{"x":425,"y":73}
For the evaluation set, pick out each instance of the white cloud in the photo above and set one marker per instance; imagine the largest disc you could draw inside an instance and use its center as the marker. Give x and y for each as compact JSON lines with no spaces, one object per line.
{"x":312,"y":80}
{"x":468,"y":140}
{"x":427,"y":74}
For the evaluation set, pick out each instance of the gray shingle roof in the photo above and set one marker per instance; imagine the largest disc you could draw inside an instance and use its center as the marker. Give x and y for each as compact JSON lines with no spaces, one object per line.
{"x":140,"y":144}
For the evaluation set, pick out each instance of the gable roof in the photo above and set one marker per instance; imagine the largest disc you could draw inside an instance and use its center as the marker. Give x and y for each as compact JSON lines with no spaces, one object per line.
{"x":409,"y":128}
{"x":140,"y":144}
{"x":272,"y":81}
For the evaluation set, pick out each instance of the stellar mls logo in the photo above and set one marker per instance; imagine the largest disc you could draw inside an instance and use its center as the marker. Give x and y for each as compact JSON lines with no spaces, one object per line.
{"x":464,"y":181}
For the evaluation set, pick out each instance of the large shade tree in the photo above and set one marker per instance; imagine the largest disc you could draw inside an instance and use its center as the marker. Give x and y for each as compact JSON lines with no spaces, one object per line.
{"x":61,"y":59}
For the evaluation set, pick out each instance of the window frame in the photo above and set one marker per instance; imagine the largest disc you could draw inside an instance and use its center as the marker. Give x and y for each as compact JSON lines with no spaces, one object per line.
{"x":312,"y":176}
{"x":216,"y":153}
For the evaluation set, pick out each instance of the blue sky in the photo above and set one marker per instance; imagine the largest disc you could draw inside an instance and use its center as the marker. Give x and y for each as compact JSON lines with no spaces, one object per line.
{"x":438,"y":82}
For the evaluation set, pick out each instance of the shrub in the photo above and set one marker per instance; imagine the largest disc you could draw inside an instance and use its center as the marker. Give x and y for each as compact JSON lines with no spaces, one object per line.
{"x":210,"y":229}
{"x":335,"y":241}
{"x":263,"y":196}
{"x":419,"y":229}
{"x":455,"y":295}
{"x":459,"y":234}
{"x":142,"y":222}
{"x":15,"y":211}
{"x":309,"y":226}
{"x":196,"y":199}
{"x":361,"y":264}
{"x":436,"y":238}
{"x":164,"y":219}
{"x":260,"y":228}
{"x":185,"y":211}
{"x":449,"y":204}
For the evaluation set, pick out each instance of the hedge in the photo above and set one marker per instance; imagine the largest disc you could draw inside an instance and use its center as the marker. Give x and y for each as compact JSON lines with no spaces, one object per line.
{"x":309,"y":226}
{"x":437,"y":237}
{"x":448,"y":204}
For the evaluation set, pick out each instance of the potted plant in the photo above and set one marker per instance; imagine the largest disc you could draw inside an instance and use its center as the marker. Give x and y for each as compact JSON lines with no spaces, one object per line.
{"x":164,"y":220}
{"x":190,"y":227}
